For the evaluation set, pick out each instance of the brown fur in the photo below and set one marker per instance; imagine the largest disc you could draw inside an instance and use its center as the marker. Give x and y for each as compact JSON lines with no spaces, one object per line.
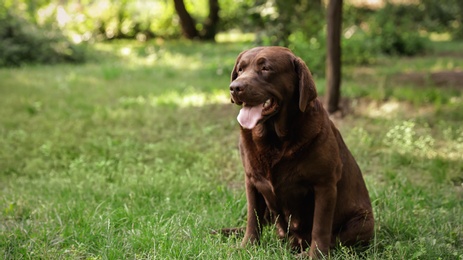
{"x":299,"y":174}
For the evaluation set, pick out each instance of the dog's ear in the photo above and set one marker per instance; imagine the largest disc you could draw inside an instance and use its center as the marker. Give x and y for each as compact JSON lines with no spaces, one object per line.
{"x":234,"y":73}
{"x":306,"y":85}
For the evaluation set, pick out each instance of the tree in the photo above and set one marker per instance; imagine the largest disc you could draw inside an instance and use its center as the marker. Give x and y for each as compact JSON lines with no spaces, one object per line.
{"x":279,"y":19}
{"x":333,"y":57}
{"x":188,"y":23}
{"x":210,"y":25}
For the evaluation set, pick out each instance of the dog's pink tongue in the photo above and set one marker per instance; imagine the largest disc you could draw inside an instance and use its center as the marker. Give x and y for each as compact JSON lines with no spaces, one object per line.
{"x":249,"y":116}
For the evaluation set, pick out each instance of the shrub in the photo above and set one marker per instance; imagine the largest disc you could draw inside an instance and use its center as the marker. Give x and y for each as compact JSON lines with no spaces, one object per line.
{"x":396,"y":29}
{"x":24,"y":42}
{"x":357,"y":48}
{"x":443,"y":16}
{"x":312,"y":51}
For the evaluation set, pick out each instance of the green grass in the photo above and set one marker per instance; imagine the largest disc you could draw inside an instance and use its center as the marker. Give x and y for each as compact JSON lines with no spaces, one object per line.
{"x":135,"y":156}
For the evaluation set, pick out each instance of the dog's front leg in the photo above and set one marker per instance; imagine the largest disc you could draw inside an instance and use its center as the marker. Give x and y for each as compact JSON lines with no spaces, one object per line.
{"x":256,"y":211}
{"x":325,"y":203}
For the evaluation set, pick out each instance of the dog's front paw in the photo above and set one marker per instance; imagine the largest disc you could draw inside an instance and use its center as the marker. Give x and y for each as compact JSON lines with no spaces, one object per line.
{"x":249,"y":239}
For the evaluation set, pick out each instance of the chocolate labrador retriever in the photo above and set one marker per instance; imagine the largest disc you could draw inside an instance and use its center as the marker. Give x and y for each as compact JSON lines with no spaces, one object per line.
{"x":299,"y":173}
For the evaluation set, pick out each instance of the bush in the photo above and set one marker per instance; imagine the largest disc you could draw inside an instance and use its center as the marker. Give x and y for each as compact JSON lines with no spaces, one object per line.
{"x":24,"y":42}
{"x":312,"y":51}
{"x":443,"y":16}
{"x":358,"y":47}
{"x":396,"y":29}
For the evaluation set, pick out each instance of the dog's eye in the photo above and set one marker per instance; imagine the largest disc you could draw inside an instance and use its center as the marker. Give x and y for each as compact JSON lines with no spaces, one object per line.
{"x":265,"y":68}
{"x":240,"y":69}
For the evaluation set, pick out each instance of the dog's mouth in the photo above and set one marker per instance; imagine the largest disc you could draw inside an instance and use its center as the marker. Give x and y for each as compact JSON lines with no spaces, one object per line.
{"x":251,"y":115}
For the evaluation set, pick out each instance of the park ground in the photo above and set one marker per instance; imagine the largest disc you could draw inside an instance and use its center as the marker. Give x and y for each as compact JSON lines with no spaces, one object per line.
{"x":134,"y":155}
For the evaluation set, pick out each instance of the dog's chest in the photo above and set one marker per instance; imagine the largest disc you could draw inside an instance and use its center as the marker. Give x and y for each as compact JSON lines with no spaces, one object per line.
{"x":276,"y":170}
{"x":280,"y":185}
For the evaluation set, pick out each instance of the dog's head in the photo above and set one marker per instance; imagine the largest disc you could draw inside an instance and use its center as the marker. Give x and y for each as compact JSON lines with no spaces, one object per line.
{"x":270,"y":82}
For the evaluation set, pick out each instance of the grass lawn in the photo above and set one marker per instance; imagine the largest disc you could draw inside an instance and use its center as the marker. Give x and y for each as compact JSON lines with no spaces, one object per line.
{"x":135,"y":155}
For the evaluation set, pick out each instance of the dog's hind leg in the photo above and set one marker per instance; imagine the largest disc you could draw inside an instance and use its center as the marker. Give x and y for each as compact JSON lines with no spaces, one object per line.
{"x":358,"y":230}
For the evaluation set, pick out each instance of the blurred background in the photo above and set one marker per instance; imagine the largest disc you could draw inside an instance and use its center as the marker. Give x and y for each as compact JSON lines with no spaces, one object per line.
{"x":56,"y":29}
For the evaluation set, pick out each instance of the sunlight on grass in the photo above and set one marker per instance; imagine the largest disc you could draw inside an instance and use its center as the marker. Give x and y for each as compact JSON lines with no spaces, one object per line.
{"x":189,"y":99}
{"x":412,"y":138}
{"x":126,"y":51}
{"x":456,"y":100}
{"x":141,"y":54}
{"x":163,"y":57}
{"x":440,"y":37}
{"x":444,"y":65}
{"x":408,"y":134}
{"x":406,"y":137}
{"x":235,"y":36}
{"x":174,"y":60}
{"x":385,"y":110}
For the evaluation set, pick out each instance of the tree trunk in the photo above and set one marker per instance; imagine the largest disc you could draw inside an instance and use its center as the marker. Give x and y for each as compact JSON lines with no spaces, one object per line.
{"x":333,"y":57}
{"x":186,"y":21}
{"x":210,"y":25}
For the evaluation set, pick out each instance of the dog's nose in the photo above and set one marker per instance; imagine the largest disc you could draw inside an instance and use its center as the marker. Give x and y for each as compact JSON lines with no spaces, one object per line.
{"x":236,"y":87}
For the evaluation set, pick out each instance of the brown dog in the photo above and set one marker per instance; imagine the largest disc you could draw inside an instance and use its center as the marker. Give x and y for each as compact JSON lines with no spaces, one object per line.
{"x":299,"y":173}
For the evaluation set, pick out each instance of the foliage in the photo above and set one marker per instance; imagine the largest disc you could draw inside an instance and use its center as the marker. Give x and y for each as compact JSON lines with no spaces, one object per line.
{"x":367,"y":33}
{"x":280,"y":18}
{"x":135,"y":156}
{"x":275,"y":22}
{"x":311,"y":50}
{"x":357,"y":48}
{"x":400,"y":35}
{"x":443,"y":16}
{"x":242,"y":15}
{"x":24,"y":42}
{"x":101,"y":20}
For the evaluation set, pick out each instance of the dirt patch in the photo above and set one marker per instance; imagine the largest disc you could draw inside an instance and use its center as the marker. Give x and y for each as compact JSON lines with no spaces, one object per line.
{"x":443,"y":79}
{"x":367,"y":107}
